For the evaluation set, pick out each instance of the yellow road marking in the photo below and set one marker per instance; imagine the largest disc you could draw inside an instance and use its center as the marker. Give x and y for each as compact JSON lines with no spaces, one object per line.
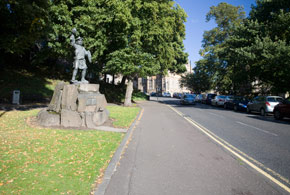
{"x":228,"y":147}
{"x":141,"y":114}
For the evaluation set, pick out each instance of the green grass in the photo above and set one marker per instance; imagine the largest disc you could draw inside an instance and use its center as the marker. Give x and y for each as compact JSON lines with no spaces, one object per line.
{"x":37,"y":160}
{"x":123,"y":116}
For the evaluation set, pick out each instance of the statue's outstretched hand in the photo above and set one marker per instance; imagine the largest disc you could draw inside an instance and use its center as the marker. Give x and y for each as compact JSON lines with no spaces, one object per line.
{"x":89,"y":56}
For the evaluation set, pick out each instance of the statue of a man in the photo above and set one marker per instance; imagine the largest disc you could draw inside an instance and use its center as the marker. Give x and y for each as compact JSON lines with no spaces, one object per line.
{"x":79,"y":59}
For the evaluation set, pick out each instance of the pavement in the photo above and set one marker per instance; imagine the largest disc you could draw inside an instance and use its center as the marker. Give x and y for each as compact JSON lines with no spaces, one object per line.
{"x":162,"y":153}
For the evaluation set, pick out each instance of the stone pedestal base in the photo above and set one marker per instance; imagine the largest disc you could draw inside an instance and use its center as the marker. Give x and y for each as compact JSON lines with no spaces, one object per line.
{"x":75,"y":105}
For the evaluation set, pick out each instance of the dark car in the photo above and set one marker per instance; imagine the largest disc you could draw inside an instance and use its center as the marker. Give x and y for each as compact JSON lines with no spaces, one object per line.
{"x":237,"y":103}
{"x":282,"y":109}
{"x":207,"y":98}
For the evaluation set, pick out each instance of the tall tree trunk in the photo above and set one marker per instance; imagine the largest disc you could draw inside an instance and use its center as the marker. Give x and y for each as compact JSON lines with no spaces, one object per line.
{"x":124,"y":78}
{"x":105,"y":78}
{"x":129,"y":92}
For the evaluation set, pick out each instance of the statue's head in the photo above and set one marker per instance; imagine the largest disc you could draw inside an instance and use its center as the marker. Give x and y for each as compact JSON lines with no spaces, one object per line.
{"x":79,"y":41}
{"x":74,"y":30}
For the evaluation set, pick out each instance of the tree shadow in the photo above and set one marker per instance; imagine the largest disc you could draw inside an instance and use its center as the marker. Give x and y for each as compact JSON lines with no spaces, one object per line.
{"x":270,"y":118}
{"x":33,"y":87}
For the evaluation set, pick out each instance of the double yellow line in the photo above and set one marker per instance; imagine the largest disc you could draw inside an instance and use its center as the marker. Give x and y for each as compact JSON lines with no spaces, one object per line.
{"x":239,"y":154}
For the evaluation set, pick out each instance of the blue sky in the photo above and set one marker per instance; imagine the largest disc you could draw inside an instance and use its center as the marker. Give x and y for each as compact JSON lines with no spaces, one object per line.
{"x":196,"y":24}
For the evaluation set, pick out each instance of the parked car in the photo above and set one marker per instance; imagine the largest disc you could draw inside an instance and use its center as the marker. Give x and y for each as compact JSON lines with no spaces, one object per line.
{"x":198,"y":98}
{"x":175,"y":95}
{"x":153,"y":94}
{"x":263,"y":104}
{"x":179,"y":95}
{"x":166,"y":94}
{"x":187,"y":99}
{"x":218,"y":100}
{"x":206,"y":98}
{"x":282,"y":109}
{"x":238,"y":103}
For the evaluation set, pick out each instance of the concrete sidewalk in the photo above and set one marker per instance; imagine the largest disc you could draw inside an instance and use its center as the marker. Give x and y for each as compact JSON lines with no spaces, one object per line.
{"x":167,"y":155}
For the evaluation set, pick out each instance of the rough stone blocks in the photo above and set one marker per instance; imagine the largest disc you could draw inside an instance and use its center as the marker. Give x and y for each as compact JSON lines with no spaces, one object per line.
{"x":48,"y":119}
{"x":75,"y":105}
{"x":70,"y":118}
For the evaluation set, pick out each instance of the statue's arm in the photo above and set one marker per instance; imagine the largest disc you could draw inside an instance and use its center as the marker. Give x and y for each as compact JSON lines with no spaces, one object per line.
{"x":72,"y":40}
{"x":88,"y":54}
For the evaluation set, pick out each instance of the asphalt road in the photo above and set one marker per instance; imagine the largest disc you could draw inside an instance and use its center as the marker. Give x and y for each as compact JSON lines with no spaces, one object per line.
{"x":264,"y":139}
{"x":166,"y":154}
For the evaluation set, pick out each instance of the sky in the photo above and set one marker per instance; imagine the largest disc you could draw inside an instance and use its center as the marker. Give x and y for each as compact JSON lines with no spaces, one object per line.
{"x":196,"y":24}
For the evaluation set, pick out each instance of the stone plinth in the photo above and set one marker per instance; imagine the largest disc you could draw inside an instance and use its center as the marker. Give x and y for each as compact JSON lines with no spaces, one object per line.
{"x":75,"y":105}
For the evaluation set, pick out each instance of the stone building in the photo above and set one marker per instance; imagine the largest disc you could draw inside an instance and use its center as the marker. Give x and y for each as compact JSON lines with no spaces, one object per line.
{"x":169,"y":83}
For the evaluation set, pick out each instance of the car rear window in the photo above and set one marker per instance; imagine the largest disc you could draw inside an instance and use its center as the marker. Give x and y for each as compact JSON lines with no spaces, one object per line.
{"x":188,"y":96}
{"x":211,"y":95}
{"x":273,"y":99}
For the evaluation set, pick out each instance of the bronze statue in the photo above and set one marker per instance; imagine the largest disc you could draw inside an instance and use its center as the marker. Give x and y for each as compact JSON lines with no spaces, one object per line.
{"x":79,"y":59}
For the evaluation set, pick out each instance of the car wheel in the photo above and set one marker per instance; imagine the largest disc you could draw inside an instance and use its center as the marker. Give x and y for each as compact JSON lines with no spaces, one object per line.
{"x":262,"y":111}
{"x":236,"y":108}
{"x":277,"y":115}
{"x":248,"y":110}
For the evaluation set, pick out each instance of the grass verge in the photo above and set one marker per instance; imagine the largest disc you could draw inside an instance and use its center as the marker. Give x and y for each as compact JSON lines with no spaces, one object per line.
{"x":54,"y":161}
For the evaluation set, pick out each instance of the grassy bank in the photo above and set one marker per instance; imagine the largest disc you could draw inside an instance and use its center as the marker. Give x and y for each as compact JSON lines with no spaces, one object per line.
{"x":54,"y":161}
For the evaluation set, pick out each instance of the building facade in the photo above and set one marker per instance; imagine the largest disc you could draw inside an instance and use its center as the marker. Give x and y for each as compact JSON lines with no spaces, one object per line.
{"x":159,"y":84}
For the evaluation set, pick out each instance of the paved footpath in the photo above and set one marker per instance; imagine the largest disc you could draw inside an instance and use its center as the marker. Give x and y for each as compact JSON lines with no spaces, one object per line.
{"x":167,"y":155}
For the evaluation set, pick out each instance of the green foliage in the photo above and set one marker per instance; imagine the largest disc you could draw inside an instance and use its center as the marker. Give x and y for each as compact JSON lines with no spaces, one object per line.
{"x":260,"y":47}
{"x":241,"y":51}
{"x":139,"y":96}
{"x":113,"y":93}
{"x":23,"y":24}
{"x":198,"y":81}
{"x":116,"y":93}
{"x":154,"y":35}
{"x":213,"y":64}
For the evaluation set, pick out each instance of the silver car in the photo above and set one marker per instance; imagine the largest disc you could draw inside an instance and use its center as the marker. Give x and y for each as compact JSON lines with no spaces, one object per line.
{"x":263,"y":104}
{"x":188,"y":99}
{"x":219,"y":100}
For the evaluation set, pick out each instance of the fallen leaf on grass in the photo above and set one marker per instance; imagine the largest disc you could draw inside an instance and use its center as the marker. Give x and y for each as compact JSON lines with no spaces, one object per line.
{"x":10,"y":181}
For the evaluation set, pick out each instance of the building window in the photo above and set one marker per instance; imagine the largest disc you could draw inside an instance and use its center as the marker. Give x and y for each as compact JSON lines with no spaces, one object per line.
{"x":150,"y":84}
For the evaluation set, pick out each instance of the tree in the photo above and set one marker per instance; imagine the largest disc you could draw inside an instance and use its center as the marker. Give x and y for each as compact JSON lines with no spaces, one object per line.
{"x":198,"y":81}
{"x":259,"y":47}
{"x":214,"y":63}
{"x":154,"y":42}
{"x":23,"y":26}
